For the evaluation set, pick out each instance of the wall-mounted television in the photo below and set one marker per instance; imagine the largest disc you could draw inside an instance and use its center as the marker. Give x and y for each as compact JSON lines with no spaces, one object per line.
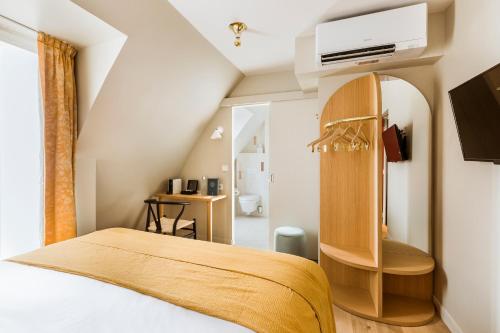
{"x":476,"y":106}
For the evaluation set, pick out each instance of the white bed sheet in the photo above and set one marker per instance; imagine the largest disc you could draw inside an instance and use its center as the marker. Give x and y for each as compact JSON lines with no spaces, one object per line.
{"x":39,"y":300}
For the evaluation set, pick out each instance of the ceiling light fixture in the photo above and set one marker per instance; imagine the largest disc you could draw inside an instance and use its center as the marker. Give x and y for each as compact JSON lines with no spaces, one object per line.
{"x":237,"y":28}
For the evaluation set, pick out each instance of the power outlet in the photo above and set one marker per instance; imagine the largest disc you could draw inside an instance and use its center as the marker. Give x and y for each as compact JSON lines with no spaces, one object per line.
{"x":221,"y":187}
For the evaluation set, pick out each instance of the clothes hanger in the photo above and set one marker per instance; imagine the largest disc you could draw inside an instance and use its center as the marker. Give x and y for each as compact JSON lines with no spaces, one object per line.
{"x":325,"y":136}
{"x":353,"y":139}
{"x":332,"y":132}
{"x":342,"y":136}
{"x":366,"y":140}
{"x":360,"y":136}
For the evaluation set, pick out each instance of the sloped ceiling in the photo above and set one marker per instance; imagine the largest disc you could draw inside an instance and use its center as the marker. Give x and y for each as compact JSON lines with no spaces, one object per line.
{"x":165,"y":85}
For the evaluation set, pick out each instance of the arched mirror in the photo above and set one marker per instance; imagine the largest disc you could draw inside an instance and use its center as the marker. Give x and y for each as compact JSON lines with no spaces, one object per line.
{"x":407,"y":178}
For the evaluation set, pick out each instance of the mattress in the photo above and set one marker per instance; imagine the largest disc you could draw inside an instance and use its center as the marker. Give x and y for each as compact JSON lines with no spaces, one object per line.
{"x":34,"y":299}
{"x":150,"y":281}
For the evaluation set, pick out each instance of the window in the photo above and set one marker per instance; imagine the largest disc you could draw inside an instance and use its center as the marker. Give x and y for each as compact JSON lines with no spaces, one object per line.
{"x":21,"y":165}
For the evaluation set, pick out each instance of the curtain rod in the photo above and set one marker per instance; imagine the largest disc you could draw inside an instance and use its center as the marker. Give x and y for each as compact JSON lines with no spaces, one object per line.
{"x":18,"y":23}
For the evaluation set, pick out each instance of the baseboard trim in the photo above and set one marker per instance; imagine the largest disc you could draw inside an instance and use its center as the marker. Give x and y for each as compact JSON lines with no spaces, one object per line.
{"x":446,"y":317}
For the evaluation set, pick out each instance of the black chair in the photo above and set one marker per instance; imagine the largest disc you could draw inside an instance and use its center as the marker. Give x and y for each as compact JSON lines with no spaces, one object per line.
{"x":167,"y":226}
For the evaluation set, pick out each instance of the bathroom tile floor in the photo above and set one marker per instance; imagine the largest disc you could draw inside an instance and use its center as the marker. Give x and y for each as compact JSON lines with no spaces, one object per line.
{"x":251,"y":231}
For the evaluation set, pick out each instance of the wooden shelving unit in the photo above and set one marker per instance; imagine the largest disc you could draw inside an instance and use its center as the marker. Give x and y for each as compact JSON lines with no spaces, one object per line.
{"x":370,"y":277}
{"x":355,"y":257}
{"x":355,"y":300}
{"x":401,"y":309}
{"x":402,"y":259}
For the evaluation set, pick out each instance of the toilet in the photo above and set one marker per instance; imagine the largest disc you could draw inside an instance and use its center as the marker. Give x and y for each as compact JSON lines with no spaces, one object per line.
{"x":249,"y":203}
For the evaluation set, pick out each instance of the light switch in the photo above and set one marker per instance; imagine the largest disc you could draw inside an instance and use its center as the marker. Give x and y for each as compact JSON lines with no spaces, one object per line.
{"x":225,"y":168}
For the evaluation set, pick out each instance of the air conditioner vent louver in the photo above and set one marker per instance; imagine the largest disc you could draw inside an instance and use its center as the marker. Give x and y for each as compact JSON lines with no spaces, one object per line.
{"x":358,"y":54}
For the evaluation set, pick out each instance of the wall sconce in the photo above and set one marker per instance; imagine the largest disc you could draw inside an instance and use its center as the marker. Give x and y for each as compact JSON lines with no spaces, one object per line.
{"x":217,"y":133}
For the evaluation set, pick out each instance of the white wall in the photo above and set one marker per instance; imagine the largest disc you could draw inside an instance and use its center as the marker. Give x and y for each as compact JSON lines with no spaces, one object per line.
{"x":495,"y":249}
{"x":265,"y":84}
{"x":240,"y":119}
{"x":85,"y":195}
{"x":256,"y":141}
{"x":92,"y":67}
{"x":466,"y":193}
{"x":206,"y":159}
{"x":409,"y":182}
{"x":93,"y":64}
{"x":156,"y":100}
{"x":259,"y":115}
{"x":294,"y":195}
{"x":251,"y":179}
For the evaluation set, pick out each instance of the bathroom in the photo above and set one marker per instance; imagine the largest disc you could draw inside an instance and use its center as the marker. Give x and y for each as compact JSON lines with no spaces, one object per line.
{"x":251,"y":176}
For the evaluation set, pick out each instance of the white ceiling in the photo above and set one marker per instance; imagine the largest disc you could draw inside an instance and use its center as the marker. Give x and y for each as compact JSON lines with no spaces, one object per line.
{"x":60,"y":18}
{"x":268,"y":45}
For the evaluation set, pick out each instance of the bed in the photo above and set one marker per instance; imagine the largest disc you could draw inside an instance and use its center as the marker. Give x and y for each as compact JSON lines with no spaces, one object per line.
{"x":122,"y":280}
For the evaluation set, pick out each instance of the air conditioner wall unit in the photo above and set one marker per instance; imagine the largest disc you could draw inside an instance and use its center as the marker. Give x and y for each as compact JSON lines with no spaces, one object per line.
{"x":379,"y":37}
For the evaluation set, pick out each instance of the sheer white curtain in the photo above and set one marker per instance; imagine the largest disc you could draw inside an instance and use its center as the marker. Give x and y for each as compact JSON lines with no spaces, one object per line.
{"x":21,"y":167}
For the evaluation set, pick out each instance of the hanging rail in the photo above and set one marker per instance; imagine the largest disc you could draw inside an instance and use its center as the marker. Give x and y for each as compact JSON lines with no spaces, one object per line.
{"x":349,"y":120}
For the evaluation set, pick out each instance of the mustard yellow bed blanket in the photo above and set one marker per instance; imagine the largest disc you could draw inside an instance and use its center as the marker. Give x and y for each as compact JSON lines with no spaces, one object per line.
{"x":264,"y":291}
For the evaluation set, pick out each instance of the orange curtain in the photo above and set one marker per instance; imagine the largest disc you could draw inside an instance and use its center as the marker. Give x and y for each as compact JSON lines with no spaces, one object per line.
{"x":57,"y":75}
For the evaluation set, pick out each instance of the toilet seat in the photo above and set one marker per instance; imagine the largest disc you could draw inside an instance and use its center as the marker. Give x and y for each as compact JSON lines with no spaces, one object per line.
{"x":249,"y":197}
{"x":249,"y":203}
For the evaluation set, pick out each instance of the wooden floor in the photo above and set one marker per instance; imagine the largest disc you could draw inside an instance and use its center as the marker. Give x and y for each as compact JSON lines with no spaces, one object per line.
{"x":348,"y":323}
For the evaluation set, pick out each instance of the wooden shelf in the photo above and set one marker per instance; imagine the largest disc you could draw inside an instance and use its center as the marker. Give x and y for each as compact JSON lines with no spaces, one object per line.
{"x":403,"y":259}
{"x":355,"y":300}
{"x":407,"y":311}
{"x":355,"y":257}
{"x":397,"y":310}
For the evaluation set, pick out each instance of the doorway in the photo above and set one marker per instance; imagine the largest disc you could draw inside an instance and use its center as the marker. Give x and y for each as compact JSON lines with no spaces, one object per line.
{"x":250,"y":137}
